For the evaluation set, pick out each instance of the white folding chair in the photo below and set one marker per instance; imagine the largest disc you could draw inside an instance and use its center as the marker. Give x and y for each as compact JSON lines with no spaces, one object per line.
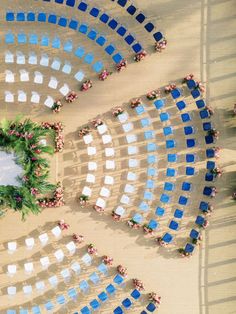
{"x":92,"y":165}
{"x":71,"y":247}
{"x":88,"y":139}
{"x":53,"y":280}
{"x":127,"y":127}
{"x":76,"y":267}
{"x":29,"y":267}
{"x":123,"y":117}
{"x":110,"y":164}
{"x":40,"y":285}
{"x":12,"y":246}
{"x":91,"y":150}
{"x":32,"y":58}
{"x":64,"y":90}
{"x":131,"y":138}
{"x":27,"y":289}
{"x":9,"y":57}
{"x":87,"y":191}
{"x":29,"y":242}
{"x":53,"y":82}
{"x":9,"y":76}
{"x":35,"y":97}
{"x":129,"y":188}
{"x":56,"y":231}
{"x":38,"y":77}
{"x":11,"y":270}
{"x":133,"y":163}
{"x":22,"y":96}
{"x":45,"y":262}
{"x":109,"y":152}
{"x":44,"y":61}
{"x":11,"y":291}
{"x":20,"y":57}
{"x":87,"y":259}
{"x":106,"y":139}
{"x":59,"y":255}
{"x":9,"y":97}
{"x":131,"y":176}
{"x":108,"y":180}
{"x":125,"y":199}
{"x":24,"y":76}
{"x":90,"y":178}
{"x":101,"y":203}
{"x":132,"y":150}
{"x":102,"y":129}
{"x":67,"y":68}
{"x":56,"y":64}
{"x":66,"y":275}
{"x":43,"y":238}
{"x":79,"y":76}
{"x":105,"y":192}
{"x":49,"y":102}
{"x":120,"y":211}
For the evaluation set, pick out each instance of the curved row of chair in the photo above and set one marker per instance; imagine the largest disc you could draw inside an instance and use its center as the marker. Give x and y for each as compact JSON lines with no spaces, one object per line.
{"x":82,"y":28}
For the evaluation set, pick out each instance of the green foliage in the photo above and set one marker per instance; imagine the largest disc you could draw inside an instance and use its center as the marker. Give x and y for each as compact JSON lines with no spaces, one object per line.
{"x":23,"y":139}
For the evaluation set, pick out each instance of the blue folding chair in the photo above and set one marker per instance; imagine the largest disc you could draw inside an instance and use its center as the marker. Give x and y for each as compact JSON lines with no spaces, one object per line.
{"x":92,"y":34}
{"x":207,"y":191}
{"x":151,"y":159}
{"x":61,"y":299}
{"x":191,"y":84}
{"x":30,"y":17}
{"x":200,"y":103}
{"x":158,"y":36}
{"x":95,"y":304}
{"x":104,"y":18}
{"x":147,"y":196}
{"x":129,"y":39}
{"x":148,"y":135}
{"x":118,"y":310}
{"x":190,"y":142}
{"x":175,"y":93}
{"x":165,"y":198}
{"x":42,"y":17}
{"x":186,"y":186}
{"x":167,"y":237}
{"x":173,"y":225}
{"x":20,"y":17}
{"x":79,"y":52}
{"x":117,"y":58}
{"x":207,"y":126}
{"x":167,"y":130}
{"x":186,"y":117}
{"x":149,"y":27}
{"x":103,"y":296}
{"x":178,"y":213}
{"x":140,"y":18}
{"x":172,"y":157}
{"x":195,"y":93}
{"x":110,"y":289}
{"x":203,"y":206}
{"x":204,"y":114}
{"x":89,"y":58}
{"x":121,"y":31}
{"x":70,"y":3}
{"x":170,"y":144}
{"x":83,"y":28}
{"x":73,"y":24}
{"x":84,"y":286}
{"x":189,"y":130}
{"x":10,"y":16}
{"x":150,"y":184}
{"x":164,"y":116}
{"x":140,"y":109}
{"x":143,"y":206}
{"x":183,"y":200}
{"x":127,"y":303}
{"x":33,"y":39}
{"x":181,"y":105}
{"x":56,"y":42}
{"x":194,"y":234}
{"x":94,"y":278}
{"x":9,"y":38}
{"x":160,"y":211}
{"x":137,"y":48}
{"x":94,"y":12}
{"x":190,"y":171}
{"x":52,"y":18}
{"x":169,"y":186}
{"x":151,"y":147}
{"x":199,"y":220}
{"x":209,"y":177}
{"x":82,"y":6}
{"x":189,"y":248}
{"x":102,"y":268}
{"x":153,"y":224}
{"x":45,"y":42}
{"x":62,"y":22}
{"x":72,"y":293}
{"x":49,"y":306}
{"x":131,"y":9}
{"x":118,"y":279}
{"x":159,"y":103}
{"x":135,"y":294}
{"x":113,"y":24}
{"x":21,"y":38}
{"x":190,"y":157}
{"x":151,"y":172}
{"x":210,"y":153}
{"x":97,"y":66}
{"x":145,"y":122}
{"x":122,"y":3}
{"x":210,"y":165}
{"x":170,"y":172}
{"x":209,"y":139}
{"x":85,"y":310}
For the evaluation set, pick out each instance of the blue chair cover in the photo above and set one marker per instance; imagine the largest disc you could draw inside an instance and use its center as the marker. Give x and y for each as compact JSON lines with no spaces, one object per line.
{"x":170,"y":144}
{"x":89,"y":58}
{"x":94,"y":278}
{"x":72,"y":293}
{"x":207,"y":126}
{"x":151,"y":172}
{"x":190,"y":171}
{"x":20,"y":16}
{"x":199,"y":220}
{"x":56,"y":43}
{"x":36,"y":310}
{"x":121,"y":31}
{"x":159,"y":211}
{"x":159,"y":103}
{"x":68,"y":46}
{"x":45,"y":41}
{"x":41,"y":17}
{"x":104,"y":18}
{"x":24,"y":311}
{"x":103,"y":296}
{"x":110,"y":49}
{"x":94,"y":12}
{"x":122,"y":3}
{"x":186,"y":186}
{"x":98,"y":66}
{"x":113,"y":24}
{"x":186,"y":117}
{"x":137,"y":48}
{"x":210,"y":153}
{"x":144,"y":206}
{"x":138,"y":218}
{"x":151,"y":147}
{"x":172,"y":157}
{"x":61,"y":299}
{"x":194,"y":234}
{"x":189,"y":248}
{"x":9,"y":38}
{"x":85,"y":310}
{"x":21,"y":38}
{"x":183,"y":200}
{"x":94,"y":304}
{"x":165,"y":198}
{"x":203,"y":206}
{"x":127,"y":303}
{"x":191,"y":84}
{"x":117,"y":58}
{"x":170,"y":172}
{"x":178,"y":213}
{"x":129,"y":39}
{"x":190,"y":157}
{"x":30,"y":17}
{"x":207,"y":190}
{"x":209,"y":177}
{"x":158,"y":36}
{"x":10,"y":16}
{"x":153,"y":224}
{"x":147,"y":196}
{"x":79,"y":52}
{"x":52,"y":18}
{"x":118,"y":310}
{"x":110,"y":289}
{"x":189,"y":130}
{"x":102,"y":268}
{"x":131,"y":9}
{"x":73,"y":24}
{"x":200,"y":103}
{"x":195,"y":93}
{"x":150,"y":184}
{"x":181,"y":105}
{"x":151,"y":307}
{"x":164,"y":116}
{"x":151,"y":159}
{"x":169,"y":186}
{"x":149,"y":27}
{"x":135,"y":294}
{"x":83,"y":28}
{"x":167,"y":130}
{"x":175,"y":93}
{"x":167,"y":237}
{"x":144,"y":122}
{"x":209,"y":139}
{"x":70,"y":3}
{"x":92,"y":34}
{"x":173,"y":225}
{"x":191,"y":142}
{"x":49,"y":306}
{"x":82,"y":6}
{"x":62,"y":21}
{"x":204,"y":114}
{"x":148,"y":135}
{"x":140,"y":18}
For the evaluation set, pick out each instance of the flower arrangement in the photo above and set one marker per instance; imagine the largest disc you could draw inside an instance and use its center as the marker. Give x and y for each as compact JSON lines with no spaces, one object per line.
{"x":117,"y":111}
{"x":121,"y":65}
{"x":198,"y":240}
{"x":77,"y":238}
{"x":84,"y":131}
{"x":23,"y":139}
{"x":133,"y":224}
{"x":154,"y":298}
{"x":63,"y":225}
{"x":98,"y":209}
{"x":86,"y":85}
{"x":72,"y":96}
{"x":217,"y":172}
{"x":147,"y":229}
{"x":138,"y":284}
{"x":115,"y":216}
{"x":200,"y":86}
{"x":83,"y":200}
{"x":135,"y":103}
{"x":188,"y":77}
{"x":153,"y":94}
{"x":107,"y":260}
{"x":92,"y":249}
{"x":169,"y":88}
{"x":160,"y":242}
{"x":104,"y":75}
{"x":140,"y":56}
{"x":97,"y":122}
{"x":57,"y":106}
{"x":122,"y":271}
{"x":56,"y":201}
{"x":183,"y":253}
{"x":160,"y":45}
{"x":57,"y":127}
